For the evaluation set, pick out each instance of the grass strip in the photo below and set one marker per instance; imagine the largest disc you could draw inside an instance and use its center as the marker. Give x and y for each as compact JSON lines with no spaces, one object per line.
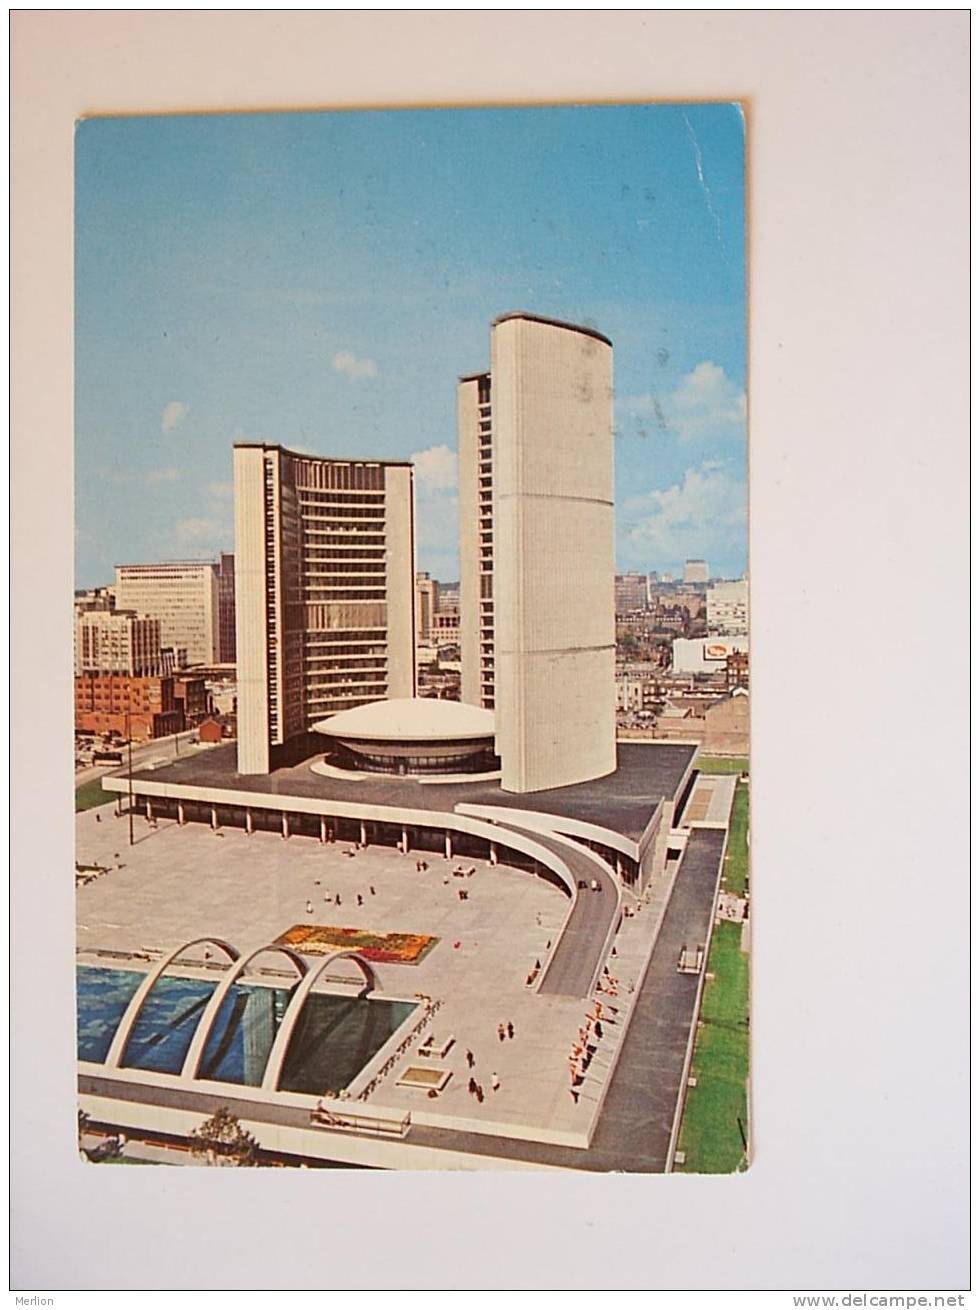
{"x":90,"y":795}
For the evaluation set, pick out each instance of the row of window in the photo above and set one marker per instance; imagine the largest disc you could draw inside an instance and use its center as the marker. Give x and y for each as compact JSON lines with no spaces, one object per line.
{"x":310,"y":474}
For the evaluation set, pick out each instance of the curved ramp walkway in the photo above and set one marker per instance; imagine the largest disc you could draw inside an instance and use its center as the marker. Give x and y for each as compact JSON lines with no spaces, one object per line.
{"x":574,"y":963}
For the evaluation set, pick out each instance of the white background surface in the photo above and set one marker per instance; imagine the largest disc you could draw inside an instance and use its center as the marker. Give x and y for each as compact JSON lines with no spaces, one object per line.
{"x":857,"y":128}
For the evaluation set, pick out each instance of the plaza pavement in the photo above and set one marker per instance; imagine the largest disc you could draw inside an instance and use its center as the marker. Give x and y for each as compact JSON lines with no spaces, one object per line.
{"x":634,"y":1130}
{"x":180,"y":883}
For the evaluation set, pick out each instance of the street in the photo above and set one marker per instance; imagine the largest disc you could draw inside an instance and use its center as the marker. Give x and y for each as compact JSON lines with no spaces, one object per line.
{"x":147,"y":752}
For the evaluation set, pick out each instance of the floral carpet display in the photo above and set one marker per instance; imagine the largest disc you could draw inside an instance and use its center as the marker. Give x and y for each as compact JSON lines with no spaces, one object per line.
{"x":379,"y":948}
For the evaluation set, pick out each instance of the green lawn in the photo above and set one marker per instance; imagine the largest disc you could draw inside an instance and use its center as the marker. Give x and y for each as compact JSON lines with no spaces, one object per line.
{"x":735,"y":876}
{"x":90,"y":794}
{"x":710,"y":1136}
{"x":722,"y":764}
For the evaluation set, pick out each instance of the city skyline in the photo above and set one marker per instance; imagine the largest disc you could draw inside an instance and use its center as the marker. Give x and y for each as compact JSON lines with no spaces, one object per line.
{"x":320,"y":281}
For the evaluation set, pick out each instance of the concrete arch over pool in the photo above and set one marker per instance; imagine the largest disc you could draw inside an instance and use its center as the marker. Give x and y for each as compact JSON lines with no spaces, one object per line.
{"x":117,"y":1047}
{"x":294,"y":1010}
{"x":203,"y":1031}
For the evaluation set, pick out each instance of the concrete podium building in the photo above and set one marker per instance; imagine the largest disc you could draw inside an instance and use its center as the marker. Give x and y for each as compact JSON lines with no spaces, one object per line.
{"x":537,"y":607}
{"x":324,"y":593}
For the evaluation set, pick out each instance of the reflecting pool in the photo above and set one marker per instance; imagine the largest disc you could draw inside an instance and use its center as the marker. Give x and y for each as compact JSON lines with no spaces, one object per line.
{"x":166,"y":1023}
{"x":241,"y":1036}
{"x":103,"y":995}
{"x":334,"y":1038}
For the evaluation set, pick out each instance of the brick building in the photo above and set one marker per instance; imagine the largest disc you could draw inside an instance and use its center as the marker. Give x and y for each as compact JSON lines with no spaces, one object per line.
{"x":191,"y":698}
{"x":140,"y":708}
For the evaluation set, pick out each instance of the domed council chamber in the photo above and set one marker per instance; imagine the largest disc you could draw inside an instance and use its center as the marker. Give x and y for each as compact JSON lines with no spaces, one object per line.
{"x":412,"y":736}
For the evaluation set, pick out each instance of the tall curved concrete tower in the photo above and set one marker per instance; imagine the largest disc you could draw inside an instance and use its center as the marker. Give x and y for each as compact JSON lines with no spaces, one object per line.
{"x":324,"y":593}
{"x":537,"y":564}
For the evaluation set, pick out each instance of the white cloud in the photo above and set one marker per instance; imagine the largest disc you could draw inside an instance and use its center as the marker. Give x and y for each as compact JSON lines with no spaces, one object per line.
{"x":706,"y":403}
{"x":707,"y":398}
{"x":705,"y":515}
{"x":345,"y":362}
{"x":221,"y":490}
{"x":437,"y":468}
{"x":202,"y":533}
{"x":163,"y":475}
{"x":437,"y":510}
{"x":173,"y":414}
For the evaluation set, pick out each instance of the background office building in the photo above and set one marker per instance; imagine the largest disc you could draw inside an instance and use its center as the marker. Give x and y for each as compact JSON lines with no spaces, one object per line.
{"x":632,"y":592}
{"x":728,"y":608}
{"x":183,"y":596}
{"x":116,"y":641}
{"x":696,"y":570}
{"x":226,"y":608}
{"x":426,"y":605}
{"x":537,"y":611}
{"x":324,"y":593}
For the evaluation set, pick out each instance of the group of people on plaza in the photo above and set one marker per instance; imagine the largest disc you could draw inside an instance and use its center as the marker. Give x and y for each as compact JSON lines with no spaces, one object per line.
{"x":334,"y":898}
{"x":505,"y":1031}
{"x":583,"y":1051}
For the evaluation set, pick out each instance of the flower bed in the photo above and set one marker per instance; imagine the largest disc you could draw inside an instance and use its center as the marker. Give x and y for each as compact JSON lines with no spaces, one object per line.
{"x":379,"y":948}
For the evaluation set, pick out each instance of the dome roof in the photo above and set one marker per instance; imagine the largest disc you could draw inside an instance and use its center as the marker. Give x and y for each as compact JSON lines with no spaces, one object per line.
{"x":407,"y":719}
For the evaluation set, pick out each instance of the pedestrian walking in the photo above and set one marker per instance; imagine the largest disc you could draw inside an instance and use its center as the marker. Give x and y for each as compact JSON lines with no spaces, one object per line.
{"x":470,"y":1060}
{"x":372,"y":891}
{"x":479,"y":1094}
{"x":495,"y":1081}
{"x":471,"y":1087}
{"x":510,"y":1031}
{"x":501,"y":1032}
{"x":360,"y":899}
{"x":309,"y":907}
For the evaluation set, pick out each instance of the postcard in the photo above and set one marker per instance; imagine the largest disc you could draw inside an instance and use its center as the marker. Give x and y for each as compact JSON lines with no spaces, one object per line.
{"x":411,"y":627}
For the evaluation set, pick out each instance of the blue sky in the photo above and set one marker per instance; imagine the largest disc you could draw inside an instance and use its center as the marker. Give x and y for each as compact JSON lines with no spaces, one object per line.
{"x":320,"y":280}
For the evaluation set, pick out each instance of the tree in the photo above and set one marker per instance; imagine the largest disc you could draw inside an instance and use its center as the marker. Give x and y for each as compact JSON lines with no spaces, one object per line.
{"x":222,"y":1139}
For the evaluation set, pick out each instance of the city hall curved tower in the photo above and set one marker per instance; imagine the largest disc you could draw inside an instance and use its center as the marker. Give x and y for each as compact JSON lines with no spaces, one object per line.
{"x":324,"y":593}
{"x":537,"y":564}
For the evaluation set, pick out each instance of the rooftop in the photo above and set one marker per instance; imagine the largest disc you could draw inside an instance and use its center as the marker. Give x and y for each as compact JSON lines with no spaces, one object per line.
{"x":410,"y":719}
{"x":555,"y":322}
{"x":622,"y":802}
{"x":323,"y":459}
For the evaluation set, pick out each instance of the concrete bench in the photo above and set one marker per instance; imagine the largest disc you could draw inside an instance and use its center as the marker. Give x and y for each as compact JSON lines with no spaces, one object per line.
{"x":439,"y":1050}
